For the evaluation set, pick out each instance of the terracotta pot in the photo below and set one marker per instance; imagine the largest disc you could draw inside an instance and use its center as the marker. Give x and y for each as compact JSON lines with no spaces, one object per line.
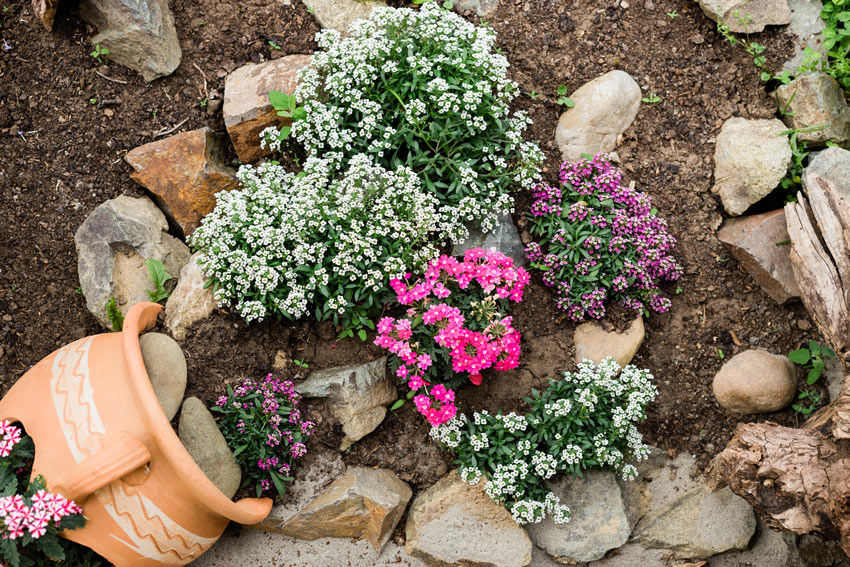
{"x":102,"y":439}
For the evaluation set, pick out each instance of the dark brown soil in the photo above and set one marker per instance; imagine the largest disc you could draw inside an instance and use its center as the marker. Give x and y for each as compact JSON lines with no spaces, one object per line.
{"x":64,"y":131}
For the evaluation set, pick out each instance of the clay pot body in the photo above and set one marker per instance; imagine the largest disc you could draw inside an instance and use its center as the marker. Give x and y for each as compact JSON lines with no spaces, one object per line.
{"x":102,"y":439}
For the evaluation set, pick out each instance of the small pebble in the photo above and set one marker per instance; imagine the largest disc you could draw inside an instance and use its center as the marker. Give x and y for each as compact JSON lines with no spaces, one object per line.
{"x":803,"y":324}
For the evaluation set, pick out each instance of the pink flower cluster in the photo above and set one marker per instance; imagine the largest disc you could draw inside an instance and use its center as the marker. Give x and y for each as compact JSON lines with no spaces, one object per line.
{"x":446,"y":327}
{"x":11,"y":437}
{"x":46,"y":507}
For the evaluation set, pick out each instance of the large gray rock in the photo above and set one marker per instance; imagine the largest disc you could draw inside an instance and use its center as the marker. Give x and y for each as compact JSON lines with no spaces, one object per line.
{"x":340,"y":14}
{"x":454,"y":523}
{"x":190,"y":301}
{"x":139,"y":34}
{"x":483,"y":8}
{"x":752,"y":15}
{"x":596,"y":343}
{"x":815,"y":99}
{"x":757,"y":243}
{"x":604,"y":108}
{"x":166,"y":367}
{"x":699,"y":524}
{"x":363,"y":504}
{"x":806,"y":27}
{"x":771,"y":549}
{"x":504,"y":238}
{"x":112,"y":245}
{"x":755,"y":381}
{"x":202,"y":439}
{"x":358,"y":396}
{"x":832,"y":164}
{"x":750,"y":158}
{"x":602,"y":518}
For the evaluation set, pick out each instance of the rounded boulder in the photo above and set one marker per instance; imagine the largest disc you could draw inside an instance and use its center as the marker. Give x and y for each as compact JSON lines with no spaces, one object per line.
{"x":755,"y":381}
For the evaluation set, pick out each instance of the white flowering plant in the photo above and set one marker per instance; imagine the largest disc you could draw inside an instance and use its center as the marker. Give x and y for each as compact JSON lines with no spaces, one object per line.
{"x":426,"y":90}
{"x":585,"y":420}
{"x":288,"y":244}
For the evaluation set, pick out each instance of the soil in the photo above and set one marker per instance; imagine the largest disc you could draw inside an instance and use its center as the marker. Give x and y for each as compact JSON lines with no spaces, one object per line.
{"x":64,"y":130}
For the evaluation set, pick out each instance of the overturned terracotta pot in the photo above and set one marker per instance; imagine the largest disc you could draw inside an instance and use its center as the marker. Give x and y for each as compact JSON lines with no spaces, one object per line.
{"x":102,"y":439}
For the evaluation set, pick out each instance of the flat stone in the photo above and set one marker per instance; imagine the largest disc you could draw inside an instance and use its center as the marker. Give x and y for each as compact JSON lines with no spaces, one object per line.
{"x":815,"y":99}
{"x":112,"y":245}
{"x":340,"y":14}
{"x":750,"y":158}
{"x":482,"y":8}
{"x":757,"y":13}
{"x":190,"y":301}
{"x":454,"y":523}
{"x":594,"y":342}
{"x":139,"y":35}
{"x":633,"y":555}
{"x":45,"y":12}
{"x":604,"y":109}
{"x":833,"y":372}
{"x":166,"y":367}
{"x":363,"y":504}
{"x":184,"y":172}
{"x":247,"y":110}
{"x":755,"y":241}
{"x":602,"y":518}
{"x":806,"y":27}
{"x":771,"y":549}
{"x":358,"y":396}
{"x":504,"y":238}
{"x":755,"y":381}
{"x":699,"y":524}
{"x":833,"y":164}
{"x":208,"y":447}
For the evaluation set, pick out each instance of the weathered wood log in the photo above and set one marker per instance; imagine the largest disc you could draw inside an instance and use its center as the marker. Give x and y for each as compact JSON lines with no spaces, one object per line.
{"x":799,"y":479}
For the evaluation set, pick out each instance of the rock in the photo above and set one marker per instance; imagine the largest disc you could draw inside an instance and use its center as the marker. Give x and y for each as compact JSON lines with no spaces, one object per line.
{"x":482,"y":8}
{"x":357,"y":396}
{"x":363,"y":504}
{"x":166,"y":367}
{"x":755,"y":381}
{"x":806,"y":27}
{"x":604,"y":108}
{"x":112,"y":245}
{"x":340,"y":14}
{"x":833,"y":164}
{"x":184,"y":172}
{"x":750,"y":158}
{"x":752,"y":15}
{"x":190,"y":301}
{"x":594,"y":343}
{"x":833,"y":372}
{"x":814,"y":99}
{"x":699,"y":524}
{"x":633,"y":555}
{"x":504,"y":238}
{"x":601,"y":518}
{"x":45,"y":12}
{"x":755,"y":241}
{"x":282,"y":360}
{"x":203,"y":440}
{"x":453,"y":523}
{"x":247,"y":110}
{"x":139,"y":34}
{"x":771,"y":549}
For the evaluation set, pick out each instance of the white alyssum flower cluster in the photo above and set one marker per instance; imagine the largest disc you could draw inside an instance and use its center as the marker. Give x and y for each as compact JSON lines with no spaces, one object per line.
{"x":424,"y":89}
{"x":286,"y":243}
{"x":585,"y":420}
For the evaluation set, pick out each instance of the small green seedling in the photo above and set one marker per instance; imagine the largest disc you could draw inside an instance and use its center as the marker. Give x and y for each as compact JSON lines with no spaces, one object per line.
{"x":310,"y":11}
{"x":806,"y":409}
{"x":158,"y":276}
{"x":78,"y":290}
{"x":99,"y":53}
{"x":673,"y":15}
{"x":203,"y":102}
{"x":92,"y":100}
{"x":812,"y":359}
{"x":533,"y":95}
{"x":273,"y":45}
{"x":287,"y":107}
{"x":563,"y":99}
{"x":679,"y":290}
{"x":720,"y":354}
{"x":116,"y":319}
{"x":300,"y":363}
{"x":651,"y":99}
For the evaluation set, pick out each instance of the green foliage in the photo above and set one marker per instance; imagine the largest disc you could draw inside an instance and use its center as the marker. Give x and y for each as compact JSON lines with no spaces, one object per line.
{"x":673,"y":15}
{"x":836,"y":40}
{"x":807,"y":402}
{"x":812,"y":361}
{"x":159,"y":277}
{"x":116,"y":319}
{"x":287,"y":108}
{"x":447,"y":4}
{"x":563,"y":99}
{"x":99,"y":53}
{"x":651,"y":99}
{"x":274,"y":45}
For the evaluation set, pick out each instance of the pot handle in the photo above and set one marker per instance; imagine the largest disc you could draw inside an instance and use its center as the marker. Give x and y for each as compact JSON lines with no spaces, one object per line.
{"x":123,"y":454}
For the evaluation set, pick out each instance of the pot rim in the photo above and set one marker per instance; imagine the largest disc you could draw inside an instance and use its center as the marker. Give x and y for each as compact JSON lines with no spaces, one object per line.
{"x":139,"y":318}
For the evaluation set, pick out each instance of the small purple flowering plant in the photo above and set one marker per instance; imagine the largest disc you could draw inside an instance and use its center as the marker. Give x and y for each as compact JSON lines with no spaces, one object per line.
{"x":265,"y":430}
{"x":599,"y":241}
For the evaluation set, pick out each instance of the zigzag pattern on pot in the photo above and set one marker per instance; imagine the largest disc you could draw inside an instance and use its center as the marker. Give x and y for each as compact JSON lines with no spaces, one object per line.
{"x":154,"y":535}
{"x":73,"y":399}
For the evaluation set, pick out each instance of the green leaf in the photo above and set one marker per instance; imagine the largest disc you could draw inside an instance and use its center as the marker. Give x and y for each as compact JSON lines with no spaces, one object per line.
{"x":116,"y":318}
{"x":397,"y":404}
{"x":159,"y":276}
{"x":279,"y":100}
{"x":50,"y":546}
{"x":362,"y":334}
{"x":799,"y":356}
{"x":813,"y":376}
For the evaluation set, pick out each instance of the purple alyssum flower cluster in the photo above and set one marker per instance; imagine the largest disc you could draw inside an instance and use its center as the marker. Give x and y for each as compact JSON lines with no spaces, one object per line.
{"x":265,"y":430}
{"x":600,"y":241}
